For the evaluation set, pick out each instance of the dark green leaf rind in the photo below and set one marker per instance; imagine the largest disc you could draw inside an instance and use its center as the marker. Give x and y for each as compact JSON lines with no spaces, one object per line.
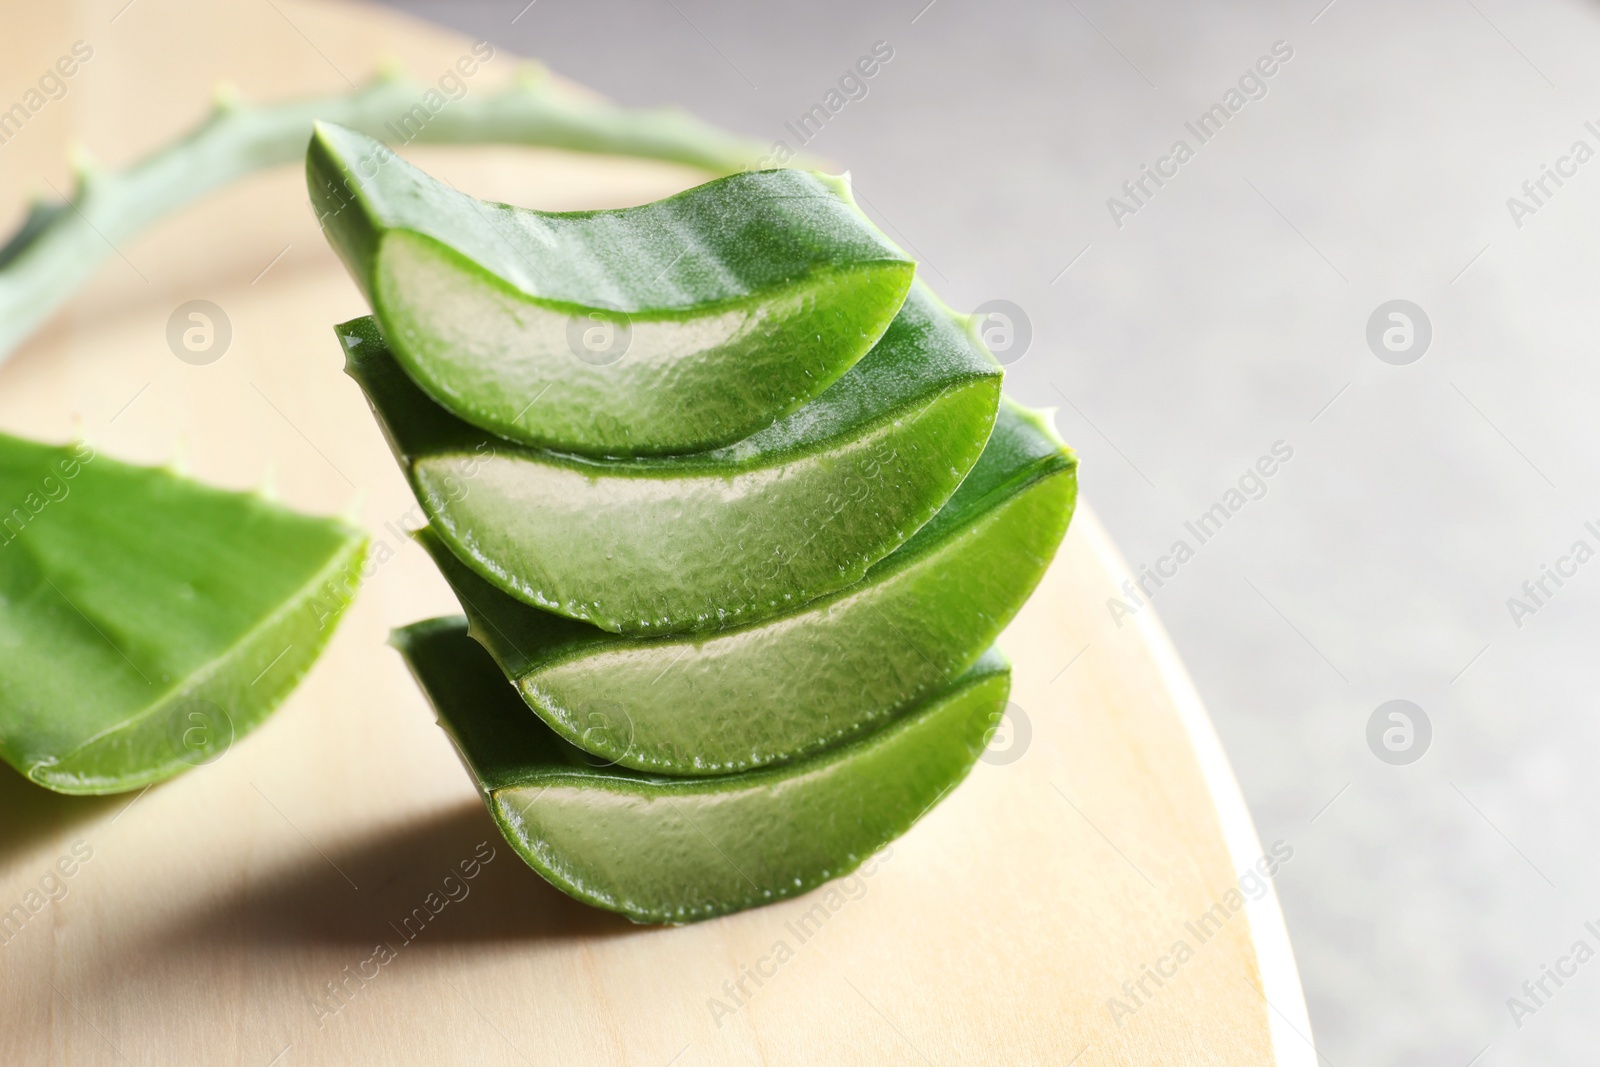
{"x":774,"y":691}
{"x":146,"y":620}
{"x":676,"y":850}
{"x":715,"y":539}
{"x":740,"y":300}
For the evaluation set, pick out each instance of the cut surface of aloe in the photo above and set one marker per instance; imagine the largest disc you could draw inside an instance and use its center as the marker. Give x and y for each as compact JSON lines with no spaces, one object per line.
{"x":769,"y":692}
{"x":147,"y":620}
{"x":676,"y":326}
{"x":673,"y":850}
{"x":716,"y":539}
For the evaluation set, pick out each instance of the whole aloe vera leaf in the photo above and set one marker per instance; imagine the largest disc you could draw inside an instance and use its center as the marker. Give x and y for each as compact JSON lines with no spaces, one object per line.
{"x":715,"y":539}
{"x":739,"y":300}
{"x":147,"y":620}
{"x":843,"y":663}
{"x":675,"y":850}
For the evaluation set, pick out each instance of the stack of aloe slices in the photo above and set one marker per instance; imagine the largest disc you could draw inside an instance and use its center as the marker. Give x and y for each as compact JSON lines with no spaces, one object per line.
{"x":730,"y":591}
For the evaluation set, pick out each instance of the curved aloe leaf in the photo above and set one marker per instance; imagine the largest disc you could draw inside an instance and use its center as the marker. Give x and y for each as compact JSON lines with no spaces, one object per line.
{"x":674,"y":850}
{"x":61,"y":243}
{"x":739,"y":300}
{"x":146,"y":620}
{"x":842,"y":663}
{"x":715,"y":539}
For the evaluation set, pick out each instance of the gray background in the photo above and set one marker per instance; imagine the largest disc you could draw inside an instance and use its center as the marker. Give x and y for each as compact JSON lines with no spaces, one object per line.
{"x":1225,"y":316}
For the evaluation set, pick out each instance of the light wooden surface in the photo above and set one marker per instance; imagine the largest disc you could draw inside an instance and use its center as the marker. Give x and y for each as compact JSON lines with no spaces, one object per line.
{"x":216,"y":909}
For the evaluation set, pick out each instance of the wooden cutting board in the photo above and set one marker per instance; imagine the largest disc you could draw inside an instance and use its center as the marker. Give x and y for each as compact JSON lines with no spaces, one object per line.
{"x":253,"y":910}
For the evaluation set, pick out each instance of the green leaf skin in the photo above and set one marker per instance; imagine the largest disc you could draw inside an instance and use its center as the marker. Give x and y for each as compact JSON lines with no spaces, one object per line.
{"x":129,"y":593}
{"x":677,"y":850}
{"x":744,"y":298}
{"x":716,"y":539}
{"x":809,"y":678}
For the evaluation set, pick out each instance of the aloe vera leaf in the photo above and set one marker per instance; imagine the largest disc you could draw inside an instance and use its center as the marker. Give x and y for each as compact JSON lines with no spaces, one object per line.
{"x":147,"y":620}
{"x":674,"y":850}
{"x":761,"y":694}
{"x":740,"y":299}
{"x":718,"y":538}
{"x":60,"y":244}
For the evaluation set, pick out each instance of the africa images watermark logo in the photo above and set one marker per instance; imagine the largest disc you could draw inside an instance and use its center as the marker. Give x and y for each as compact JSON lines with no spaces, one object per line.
{"x":1538,"y":591}
{"x":199,"y":332}
{"x":738,"y":991}
{"x":600,"y":336}
{"x":51,"y":888}
{"x":1251,"y":886}
{"x":1137,"y":192}
{"x":199,"y":732}
{"x":337,"y":994}
{"x":852,"y":86}
{"x":452,"y":88}
{"x":1250,"y":486}
{"x":49,"y":87}
{"x":53,"y":488}
{"x":330,"y":197}
{"x":1399,"y":332}
{"x":1538,"y":191}
{"x":1399,"y":732}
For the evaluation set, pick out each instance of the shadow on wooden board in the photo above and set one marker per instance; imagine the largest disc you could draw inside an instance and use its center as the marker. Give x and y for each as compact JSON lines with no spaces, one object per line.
{"x":30,"y":813}
{"x":408,"y":884}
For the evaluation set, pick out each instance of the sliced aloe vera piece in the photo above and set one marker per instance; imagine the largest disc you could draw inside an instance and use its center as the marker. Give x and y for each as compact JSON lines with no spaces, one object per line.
{"x":735,"y":535}
{"x":147,"y":620}
{"x":808,"y":678}
{"x":674,"y":850}
{"x":676,"y":326}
